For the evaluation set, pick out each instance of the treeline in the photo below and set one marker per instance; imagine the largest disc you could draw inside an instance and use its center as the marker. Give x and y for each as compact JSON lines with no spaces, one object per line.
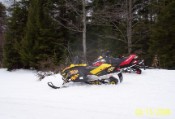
{"x":2,"y":24}
{"x":44,"y":34}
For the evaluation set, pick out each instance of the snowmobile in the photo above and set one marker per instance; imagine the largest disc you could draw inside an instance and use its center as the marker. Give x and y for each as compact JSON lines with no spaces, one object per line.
{"x":103,"y":74}
{"x":127,"y":64}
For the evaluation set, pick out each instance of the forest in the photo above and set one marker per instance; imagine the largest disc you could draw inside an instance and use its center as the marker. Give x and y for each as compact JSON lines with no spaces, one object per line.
{"x":48,"y":34}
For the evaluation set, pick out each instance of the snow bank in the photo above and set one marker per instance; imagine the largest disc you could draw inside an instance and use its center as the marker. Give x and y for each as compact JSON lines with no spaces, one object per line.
{"x":149,"y":95}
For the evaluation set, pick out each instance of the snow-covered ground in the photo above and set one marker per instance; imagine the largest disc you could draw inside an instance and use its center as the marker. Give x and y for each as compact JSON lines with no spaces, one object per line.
{"x":150,"y":95}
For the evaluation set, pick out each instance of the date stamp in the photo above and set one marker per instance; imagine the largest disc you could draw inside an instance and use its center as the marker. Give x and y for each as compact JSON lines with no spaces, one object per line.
{"x":153,"y":112}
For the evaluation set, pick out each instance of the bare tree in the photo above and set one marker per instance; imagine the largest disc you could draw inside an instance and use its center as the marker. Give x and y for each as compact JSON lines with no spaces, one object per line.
{"x":129,"y":26}
{"x":115,"y":15}
{"x":76,"y":25}
{"x":84,"y":29}
{"x":123,"y":17}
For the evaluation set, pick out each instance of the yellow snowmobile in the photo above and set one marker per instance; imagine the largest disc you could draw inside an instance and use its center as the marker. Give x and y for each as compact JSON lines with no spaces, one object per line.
{"x":103,"y":74}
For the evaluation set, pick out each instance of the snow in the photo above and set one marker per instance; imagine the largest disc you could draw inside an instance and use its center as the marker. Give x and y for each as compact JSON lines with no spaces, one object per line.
{"x":149,"y":95}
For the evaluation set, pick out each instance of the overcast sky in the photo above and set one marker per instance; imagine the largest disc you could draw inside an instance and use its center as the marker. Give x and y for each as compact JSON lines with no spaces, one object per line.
{"x":5,"y":1}
{"x":1,"y":0}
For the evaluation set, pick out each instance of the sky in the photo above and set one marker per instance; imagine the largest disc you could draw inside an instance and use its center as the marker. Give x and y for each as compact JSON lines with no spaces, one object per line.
{"x":6,"y":2}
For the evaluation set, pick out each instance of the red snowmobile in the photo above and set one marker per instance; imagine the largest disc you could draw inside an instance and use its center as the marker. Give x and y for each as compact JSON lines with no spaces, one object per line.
{"x":127,"y":64}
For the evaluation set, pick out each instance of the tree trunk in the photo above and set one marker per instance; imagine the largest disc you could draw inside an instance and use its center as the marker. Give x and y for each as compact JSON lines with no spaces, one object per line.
{"x":1,"y":46}
{"x":84,"y":30}
{"x":129,"y":26}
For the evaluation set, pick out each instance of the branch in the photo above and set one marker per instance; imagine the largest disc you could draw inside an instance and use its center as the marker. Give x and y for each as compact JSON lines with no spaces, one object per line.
{"x":69,"y":5}
{"x":120,"y":32}
{"x":111,"y":37}
{"x":73,"y":28}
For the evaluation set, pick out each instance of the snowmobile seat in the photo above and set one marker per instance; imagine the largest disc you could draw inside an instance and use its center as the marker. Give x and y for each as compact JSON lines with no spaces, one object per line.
{"x":90,"y":68}
{"x":115,"y":61}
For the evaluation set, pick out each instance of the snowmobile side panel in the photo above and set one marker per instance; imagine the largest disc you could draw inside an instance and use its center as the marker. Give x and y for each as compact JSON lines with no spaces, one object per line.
{"x":100,"y":68}
{"x":128,"y":60}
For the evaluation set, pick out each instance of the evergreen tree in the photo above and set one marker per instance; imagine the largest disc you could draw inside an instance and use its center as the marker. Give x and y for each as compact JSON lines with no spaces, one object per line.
{"x":14,"y":33}
{"x":163,"y":36}
{"x":2,"y":28}
{"x":43,"y":39}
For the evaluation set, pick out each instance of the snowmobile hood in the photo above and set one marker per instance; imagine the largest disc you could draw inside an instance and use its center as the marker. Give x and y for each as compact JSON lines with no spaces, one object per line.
{"x":73,"y":65}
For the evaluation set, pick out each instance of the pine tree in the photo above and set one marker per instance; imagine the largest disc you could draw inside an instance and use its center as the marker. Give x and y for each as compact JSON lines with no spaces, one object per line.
{"x":2,"y":26}
{"x":14,"y":34}
{"x":43,"y":39}
{"x":163,"y":36}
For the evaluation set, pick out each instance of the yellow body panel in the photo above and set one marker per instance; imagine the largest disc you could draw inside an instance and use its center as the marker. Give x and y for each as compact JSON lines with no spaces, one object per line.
{"x":100,"y":68}
{"x":74,"y":65}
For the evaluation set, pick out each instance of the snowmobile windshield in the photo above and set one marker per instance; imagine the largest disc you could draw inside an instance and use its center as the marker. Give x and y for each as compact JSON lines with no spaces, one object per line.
{"x":76,"y":60}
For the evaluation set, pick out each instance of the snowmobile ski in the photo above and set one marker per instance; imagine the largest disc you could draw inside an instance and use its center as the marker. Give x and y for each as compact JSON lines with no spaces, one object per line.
{"x":56,"y":87}
{"x":53,"y":86}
